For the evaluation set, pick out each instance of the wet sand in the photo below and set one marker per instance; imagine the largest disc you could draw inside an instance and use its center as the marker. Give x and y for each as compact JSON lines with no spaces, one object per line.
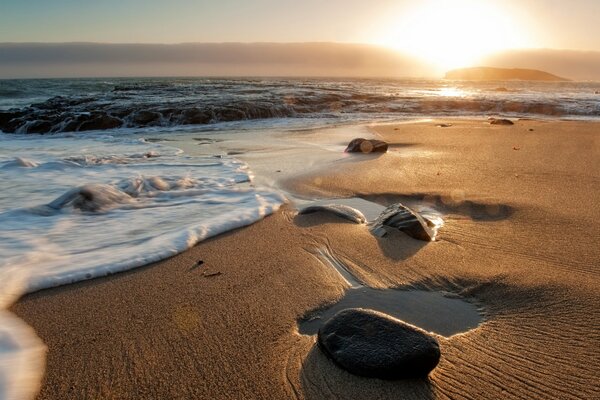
{"x":522,"y":224}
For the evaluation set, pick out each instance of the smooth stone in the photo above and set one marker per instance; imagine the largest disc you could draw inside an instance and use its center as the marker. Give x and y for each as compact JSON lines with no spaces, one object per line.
{"x":361,"y":145}
{"x":372,"y":344}
{"x":346,"y":212}
{"x":501,"y":121}
{"x":400,"y":217}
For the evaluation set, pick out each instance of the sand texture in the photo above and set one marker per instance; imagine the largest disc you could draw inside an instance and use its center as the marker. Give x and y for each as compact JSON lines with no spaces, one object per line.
{"x":521,"y":233}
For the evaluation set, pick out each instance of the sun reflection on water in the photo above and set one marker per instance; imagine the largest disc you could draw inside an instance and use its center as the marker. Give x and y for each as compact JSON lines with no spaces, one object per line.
{"x":451,"y":92}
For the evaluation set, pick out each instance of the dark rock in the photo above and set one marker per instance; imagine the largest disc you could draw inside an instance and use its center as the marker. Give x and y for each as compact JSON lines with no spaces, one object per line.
{"x":501,"y":121}
{"x":73,"y":123}
{"x":444,"y":125}
{"x":406,"y":220}
{"x":39,"y":127}
{"x":6,"y":117}
{"x":144,"y":117}
{"x":101,"y":122}
{"x":343,"y":211}
{"x":195,"y":116}
{"x":375,"y":345}
{"x":361,"y":145}
{"x":230,"y":114}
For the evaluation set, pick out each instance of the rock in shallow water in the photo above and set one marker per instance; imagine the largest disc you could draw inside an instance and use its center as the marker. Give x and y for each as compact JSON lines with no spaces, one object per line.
{"x":501,"y":121}
{"x":375,"y":345}
{"x":347,"y":212}
{"x":361,"y":145}
{"x":406,"y":220}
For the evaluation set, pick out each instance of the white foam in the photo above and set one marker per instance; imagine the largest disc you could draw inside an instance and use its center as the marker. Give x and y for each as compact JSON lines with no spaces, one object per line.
{"x":22,"y":354}
{"x":96,"y":205}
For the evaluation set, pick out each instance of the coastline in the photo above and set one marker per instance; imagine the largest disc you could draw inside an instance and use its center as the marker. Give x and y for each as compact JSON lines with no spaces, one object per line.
{"x":520,"y":238}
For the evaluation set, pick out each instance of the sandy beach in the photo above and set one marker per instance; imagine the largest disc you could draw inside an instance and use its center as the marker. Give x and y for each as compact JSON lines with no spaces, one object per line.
{"x":520,"y":240}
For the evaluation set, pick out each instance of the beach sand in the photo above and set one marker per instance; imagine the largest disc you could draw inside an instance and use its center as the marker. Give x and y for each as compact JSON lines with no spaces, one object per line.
{"x":522,"y":223}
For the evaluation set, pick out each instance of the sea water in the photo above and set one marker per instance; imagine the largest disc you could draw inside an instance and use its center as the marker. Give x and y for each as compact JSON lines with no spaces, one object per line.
{"x":67,"y":105}
{"x":75,"y":208}
{"x":87,"y":191}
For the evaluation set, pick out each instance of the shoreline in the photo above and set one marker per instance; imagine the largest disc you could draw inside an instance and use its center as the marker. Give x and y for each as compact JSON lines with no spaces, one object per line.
{"x":171,"y":329}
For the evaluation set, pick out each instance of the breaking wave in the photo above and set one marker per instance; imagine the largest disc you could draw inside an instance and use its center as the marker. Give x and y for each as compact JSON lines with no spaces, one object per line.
{"x":139,"y":103}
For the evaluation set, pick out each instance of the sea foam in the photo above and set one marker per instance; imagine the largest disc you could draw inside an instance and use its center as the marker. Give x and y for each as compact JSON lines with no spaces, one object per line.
{"x":75,"y":208}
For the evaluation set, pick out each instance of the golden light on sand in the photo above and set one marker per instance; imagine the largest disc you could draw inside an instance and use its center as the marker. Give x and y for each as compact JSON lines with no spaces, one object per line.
{"x":454,"y":34}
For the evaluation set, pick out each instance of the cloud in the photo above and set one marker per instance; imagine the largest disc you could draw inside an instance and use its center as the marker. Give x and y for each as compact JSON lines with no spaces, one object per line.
{"x":205,"y":59}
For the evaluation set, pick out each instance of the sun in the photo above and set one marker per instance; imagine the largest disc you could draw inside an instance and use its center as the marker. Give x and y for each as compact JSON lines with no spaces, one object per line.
{"x":452,"y":34}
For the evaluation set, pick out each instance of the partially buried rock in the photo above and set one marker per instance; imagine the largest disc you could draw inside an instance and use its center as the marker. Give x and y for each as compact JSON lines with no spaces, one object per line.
{"x":346,"y":212}
{"x":400,"y":217}
{"x":501,"y":121}
{"x":375,"y":345}
{"x":361,"y":145}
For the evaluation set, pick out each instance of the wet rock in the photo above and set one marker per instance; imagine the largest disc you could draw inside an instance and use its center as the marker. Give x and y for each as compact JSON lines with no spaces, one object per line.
{"x":39,"y":127}
{"x":361,"y":145}
{"x":347,"y":212}
{"x":501,"y":121}
{"x":100,"y":122}
{"x":10,"y":121}
{"x":400,"y":217}
{"x":144,"y":117}
{"x":230,"y":114}
{"x":6,"y":117}
{"x":73,"y":123}
{"x":375,"y":345}
{"x":195,"y":116}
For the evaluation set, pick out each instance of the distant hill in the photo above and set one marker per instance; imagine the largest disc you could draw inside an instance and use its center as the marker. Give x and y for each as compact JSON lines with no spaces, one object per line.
{"x":574,"y":64}
{"x":501,"y":74}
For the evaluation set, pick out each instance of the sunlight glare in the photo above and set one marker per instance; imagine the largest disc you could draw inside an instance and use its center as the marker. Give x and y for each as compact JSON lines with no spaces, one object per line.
{"x":454,"y":34}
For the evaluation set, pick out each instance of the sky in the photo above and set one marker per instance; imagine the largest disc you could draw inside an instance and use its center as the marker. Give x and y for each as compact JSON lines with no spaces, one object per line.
{"x":563,"y":24}
{"x":442,"y":34}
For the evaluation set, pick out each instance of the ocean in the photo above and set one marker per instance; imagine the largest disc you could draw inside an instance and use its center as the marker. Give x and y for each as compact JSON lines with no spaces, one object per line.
{"x":91,"y":188}
{"x":93,"y":183}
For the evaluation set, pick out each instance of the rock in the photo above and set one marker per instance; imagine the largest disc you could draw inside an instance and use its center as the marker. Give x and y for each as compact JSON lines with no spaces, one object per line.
{"x":406,"y":220}
{"x":501,"y":121}
{"x":145,"y":117}
{"x":501,"y":89}
{"x":101,"y":122}
{"x":195,"y":116}
{"x":375,"y":345}
{"x":444,"y":125}
{"x":347,"y":212}
{"x":361,"y":145}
